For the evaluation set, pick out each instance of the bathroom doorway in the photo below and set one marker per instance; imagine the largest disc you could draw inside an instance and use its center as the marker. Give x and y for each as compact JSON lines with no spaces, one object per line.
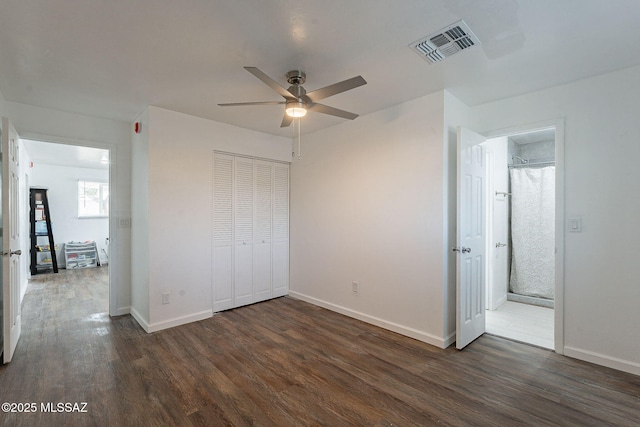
{"x":521,"y":231}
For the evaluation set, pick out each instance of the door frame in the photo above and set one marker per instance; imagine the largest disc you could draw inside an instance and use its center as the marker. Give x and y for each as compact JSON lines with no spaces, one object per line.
{"x":113,"y":264}
{"x":558,"y":124}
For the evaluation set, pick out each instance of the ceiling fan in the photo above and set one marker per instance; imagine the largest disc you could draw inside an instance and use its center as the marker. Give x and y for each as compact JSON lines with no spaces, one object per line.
{"x":297,"y":100}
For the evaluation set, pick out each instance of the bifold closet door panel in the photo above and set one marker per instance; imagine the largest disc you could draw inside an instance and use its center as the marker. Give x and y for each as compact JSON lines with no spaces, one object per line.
{"x":263,"y":206}
{"x":262,"y":271}
{"x":222,"y":232}
{"x":222,"y":278}
{"x":243,"y":283}
{"x":280,"y":269}
{"x":243,"y":231}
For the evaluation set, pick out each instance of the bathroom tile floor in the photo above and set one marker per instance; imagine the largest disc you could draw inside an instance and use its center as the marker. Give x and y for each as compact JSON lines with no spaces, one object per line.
{"x":522,"y":322}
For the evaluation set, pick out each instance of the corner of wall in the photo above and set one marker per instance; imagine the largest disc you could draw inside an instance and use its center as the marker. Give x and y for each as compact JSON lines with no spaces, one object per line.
{"x":142,"y":320}
{"x":139,"y":221}
{"x":374,"y":216}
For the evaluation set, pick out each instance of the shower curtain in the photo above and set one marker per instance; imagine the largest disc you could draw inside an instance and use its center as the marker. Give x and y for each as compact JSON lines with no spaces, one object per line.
{"x":533,"y":231}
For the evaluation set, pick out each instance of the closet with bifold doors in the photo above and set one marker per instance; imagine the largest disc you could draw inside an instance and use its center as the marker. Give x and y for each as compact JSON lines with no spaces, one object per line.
{"x":250,"y":230}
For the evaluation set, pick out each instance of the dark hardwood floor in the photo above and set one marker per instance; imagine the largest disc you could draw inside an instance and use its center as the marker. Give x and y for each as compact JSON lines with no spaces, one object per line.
{"x":284,"y":363}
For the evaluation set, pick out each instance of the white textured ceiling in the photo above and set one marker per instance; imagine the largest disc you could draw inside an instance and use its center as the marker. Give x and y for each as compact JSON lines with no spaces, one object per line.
{"x":113,"y":58}
{"x":46,"y":153}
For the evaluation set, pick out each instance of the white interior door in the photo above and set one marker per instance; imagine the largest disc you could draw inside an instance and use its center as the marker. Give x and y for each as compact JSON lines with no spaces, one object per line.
{"x":11,"y":249}
{"x":471,"y":236}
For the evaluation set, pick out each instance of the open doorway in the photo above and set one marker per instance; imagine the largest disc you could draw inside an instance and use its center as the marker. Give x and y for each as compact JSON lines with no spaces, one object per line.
{"x":77,"y":182}
{"x":521,"y":243}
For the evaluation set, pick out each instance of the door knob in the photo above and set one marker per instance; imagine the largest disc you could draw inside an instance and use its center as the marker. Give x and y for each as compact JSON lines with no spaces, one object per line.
{"x":466,"y":250}
{"x":10,"y":252}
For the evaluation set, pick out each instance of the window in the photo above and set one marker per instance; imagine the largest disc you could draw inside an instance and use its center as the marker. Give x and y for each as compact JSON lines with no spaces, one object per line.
{"x":93,"y":199}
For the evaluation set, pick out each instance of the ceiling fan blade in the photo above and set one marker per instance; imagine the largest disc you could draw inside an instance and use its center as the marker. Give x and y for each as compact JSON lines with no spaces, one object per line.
{"x":286,"y":121}
{"x":270,"y":82}
{"x":236,"y":104}
{"x":321,"y":108}
{"x":343,"y":86}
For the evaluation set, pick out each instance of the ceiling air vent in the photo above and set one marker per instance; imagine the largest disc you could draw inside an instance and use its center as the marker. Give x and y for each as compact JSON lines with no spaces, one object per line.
{"x":446,"y":42}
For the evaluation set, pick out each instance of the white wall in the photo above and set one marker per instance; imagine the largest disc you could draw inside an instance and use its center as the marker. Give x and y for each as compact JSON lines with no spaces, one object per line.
{"x":367,"y":205}
{"x":180,"y":202}
{"x":140,"y":221}
{"x":57,"y":126}
{"x":62,"y":182}
{"x":601,"y":152}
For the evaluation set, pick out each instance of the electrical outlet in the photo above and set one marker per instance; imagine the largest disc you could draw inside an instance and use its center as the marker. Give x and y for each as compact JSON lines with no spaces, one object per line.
{"x":354,"y":287}
{"x":165,"y":297}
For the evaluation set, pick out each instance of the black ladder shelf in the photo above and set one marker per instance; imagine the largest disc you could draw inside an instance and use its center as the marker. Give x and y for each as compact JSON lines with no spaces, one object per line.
{"x":41,"y":228}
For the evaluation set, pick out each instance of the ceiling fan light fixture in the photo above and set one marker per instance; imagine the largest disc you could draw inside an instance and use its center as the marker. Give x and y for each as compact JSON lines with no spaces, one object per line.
{"x":295,"y":108}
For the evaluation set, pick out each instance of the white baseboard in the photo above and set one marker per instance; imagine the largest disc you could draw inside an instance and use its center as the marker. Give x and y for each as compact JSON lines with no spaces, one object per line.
{"x":603,"y":360}
{"x":177,"y":321}
{"x":449,"y":339}
{"x":141,"y":320}
{"x":385,"y":324}
{"x":121,"y":311}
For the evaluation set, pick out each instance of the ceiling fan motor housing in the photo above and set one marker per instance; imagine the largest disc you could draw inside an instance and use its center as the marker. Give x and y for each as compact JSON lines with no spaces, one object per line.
{"x":296,"y":77}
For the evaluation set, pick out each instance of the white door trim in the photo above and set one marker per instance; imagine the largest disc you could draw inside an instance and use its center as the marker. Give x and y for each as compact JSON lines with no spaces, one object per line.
{"x":114,"y":264}
{"x":558,"y":124}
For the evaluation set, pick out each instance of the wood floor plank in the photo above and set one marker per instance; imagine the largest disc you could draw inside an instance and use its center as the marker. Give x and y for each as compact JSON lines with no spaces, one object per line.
{"x":285,"y":363}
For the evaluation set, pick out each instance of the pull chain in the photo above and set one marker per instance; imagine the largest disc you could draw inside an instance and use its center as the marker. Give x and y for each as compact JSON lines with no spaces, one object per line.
{"x":293,"y":141}
{"x":296,"y":132}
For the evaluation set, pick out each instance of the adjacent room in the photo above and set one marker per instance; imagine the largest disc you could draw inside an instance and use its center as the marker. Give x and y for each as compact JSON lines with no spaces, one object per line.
{"x":521,"y":240}
{"x":77,"y":180}
{"x":320,"y":213}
